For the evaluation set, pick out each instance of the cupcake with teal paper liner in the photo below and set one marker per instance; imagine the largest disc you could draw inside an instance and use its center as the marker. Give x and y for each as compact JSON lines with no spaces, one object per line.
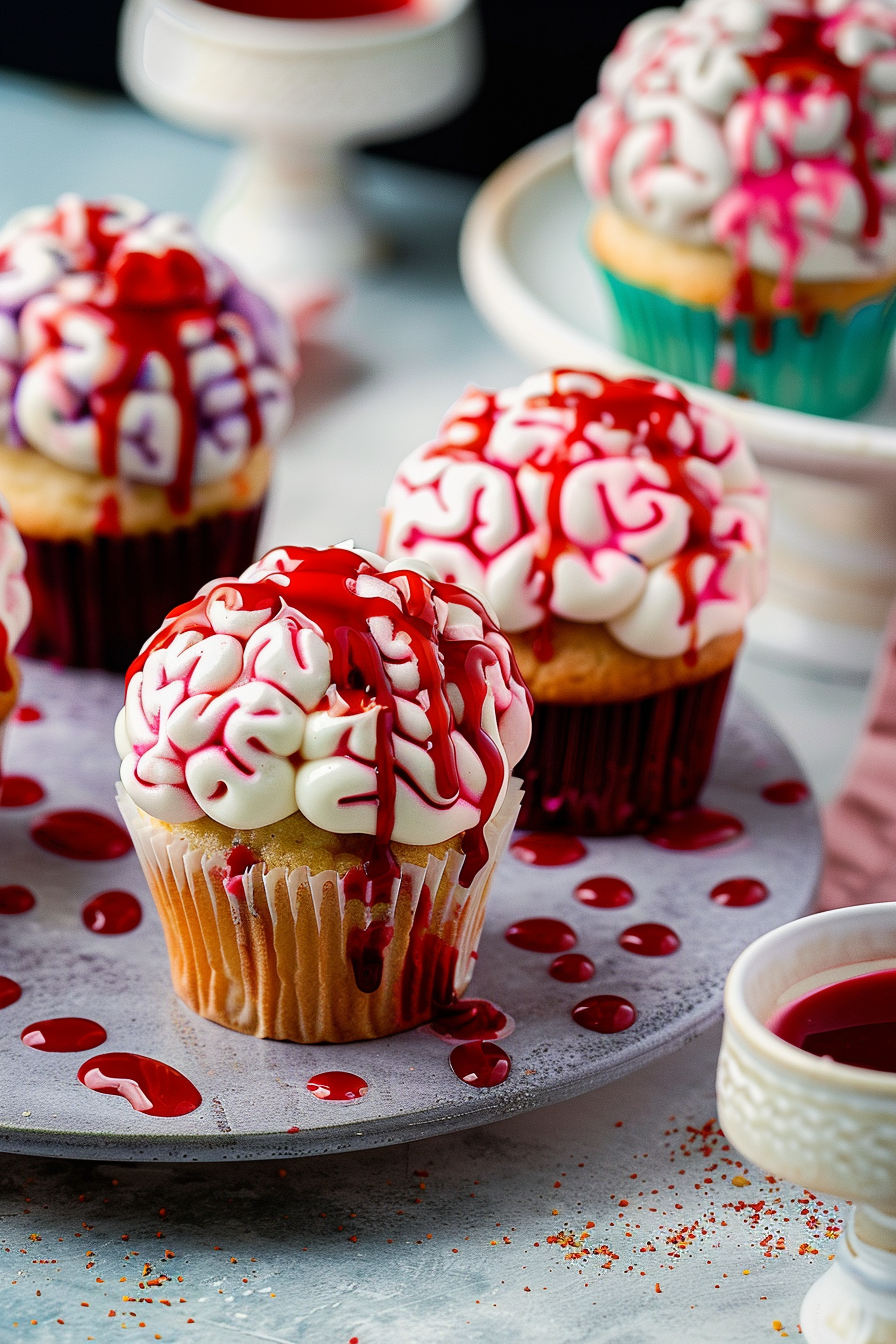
{"x":742,"y":157}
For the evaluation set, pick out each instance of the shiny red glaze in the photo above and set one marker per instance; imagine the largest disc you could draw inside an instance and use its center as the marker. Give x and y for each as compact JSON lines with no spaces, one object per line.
{"x":547,"y":849}
{"x":15,"y":900}
{"x":366,"y":950}
{"x":650,"y":940}
{"x":64,"y":1035}
{"x":480,"y":1063}
{"x":852,"y":1021}
{"x":310,"y":9}
{"x":239,"y":860}
{"x":541,"y":935}
{"x":112,"y":912}
{"x":81,"y":835}
{"x":739,"y":891}
{"x":27,"y":714}
{"x":10,"y":992}
{"x":572,"y":968}
{"x":20,"y":791}
{"x":604,"y":893}
{"x":470,"y":1020}
{"x":146,"y":1084}
{"x":606,"y":1013}
{"x":695,"y":828}
{"x":786,"y":792}
{"x":337,"y":1086}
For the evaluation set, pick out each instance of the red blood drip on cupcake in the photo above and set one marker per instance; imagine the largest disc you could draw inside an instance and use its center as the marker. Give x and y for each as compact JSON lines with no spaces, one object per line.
{"x":239,"y":860}
{"x":20,"y":791}
{"x":572,"y":968}
{"x":548,"y":849}
{"x":79,"y":834}
{"x":10,"y":991}
{"x":15,"y":899}
{"x":739,"y":892}
{"x":64,"y":1035}
{"x":604,"y":893}
{"x":336,"y":1085}
{"x":650,"y":940}
{"x":480,"y":1063}
{"x":695,"y":828}
{"x":148,"y":1085}
{"x":471,"y":1020}
{"x":541,"y":935}
{"x":605,"y":1013}
{"x":112,"y":913}
{"x":365,"y":949}
{"x":786,"y":792}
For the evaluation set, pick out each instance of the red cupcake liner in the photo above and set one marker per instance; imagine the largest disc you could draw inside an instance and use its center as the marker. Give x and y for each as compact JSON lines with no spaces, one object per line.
{"x":96,"y":603}
{"x":613,"y":769}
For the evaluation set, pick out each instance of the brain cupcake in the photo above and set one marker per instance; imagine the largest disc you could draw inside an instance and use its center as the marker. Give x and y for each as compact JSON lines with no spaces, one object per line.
{"x":743,"y":154}
{"x":142,"y":387}
{"x":619,"y":533}
{"x":15,"y":613}
{"x":316,"y":770}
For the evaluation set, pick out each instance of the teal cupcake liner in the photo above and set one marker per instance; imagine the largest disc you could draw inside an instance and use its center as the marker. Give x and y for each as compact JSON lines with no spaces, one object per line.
{"x":835,"y":370}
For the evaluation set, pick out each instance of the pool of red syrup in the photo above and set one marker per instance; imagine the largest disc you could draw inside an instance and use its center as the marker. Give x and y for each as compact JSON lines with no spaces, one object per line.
{"x":64,"y":1035}
{"x":650,"y":940}
{"x":548,"y":849}
{"x":786,"y":792}
{"x":20,"y":791}
{"x":604,"y":893}
{"x":470,"y":1020}
{"x":15,"y":900}
{"x":149,"y":1085}
{"x":480,"y":1063}
{"x":739,"y":892}
{"x":310,"y":9}
{"x":80,"y":834}
{"x":10,"y":991}
{"x":541,"y":935}
{"x":852,"y":1021}
{"x":695,"y":828}
{"x":112,"y":912}
{"x":26,"y":714}
{"x":573,"y":968}
{"x":606,"y":1013}
{"x":337,"y":1086}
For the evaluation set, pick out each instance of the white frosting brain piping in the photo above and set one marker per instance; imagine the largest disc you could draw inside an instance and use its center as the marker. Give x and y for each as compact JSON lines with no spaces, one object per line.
{"x":15,"y":599}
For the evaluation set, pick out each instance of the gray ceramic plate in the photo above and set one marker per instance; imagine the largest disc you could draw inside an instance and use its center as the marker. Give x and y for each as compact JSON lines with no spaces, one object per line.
{"x":254,"y":1092}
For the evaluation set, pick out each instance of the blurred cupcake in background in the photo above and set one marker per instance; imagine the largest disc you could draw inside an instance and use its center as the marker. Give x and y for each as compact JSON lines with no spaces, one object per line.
{"x":743,"y":157}
{"x":142,"y":388}
{"x":15,"y":613}
{"x":619,"y":532}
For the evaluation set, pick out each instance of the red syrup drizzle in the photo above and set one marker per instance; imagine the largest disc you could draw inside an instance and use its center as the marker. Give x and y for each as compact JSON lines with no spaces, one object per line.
{"x":112,"y":912}
{"x":604,"y":893}
{"x":64,"y":1035}
{"x":471,"y":1020}
{"x":27,"y":714}
{"x":337,"y":1086}
{"x":10,"y":991}
{"x":310,"y":9}
{"x":480,"y":1063}
{"x":547,"y":849}
{"x":739,"y":892}
{"x":81,"y":835}
{"x":650,"y":940}
{"x":695,"y":828}
{"x":146,"y":1084}
{"x":15,"y":900}
{"x":606,"y":1013}
{"x":19,"y":791}
{"x":541,"y":935}
{"x":572,"y":968}
{"x":786,"y":792}
{"x":239,"y":860}
{"x":852,"y":1021}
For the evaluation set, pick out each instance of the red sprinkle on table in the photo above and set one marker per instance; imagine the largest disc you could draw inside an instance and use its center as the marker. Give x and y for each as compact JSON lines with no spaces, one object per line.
{"x":650,"y":940}
{"x":20,"y":791}
{"x":15,"y":900}
{"x":64,"y":1035}
{"x":337,"y":1086}
{"x":739,"y":891}
{"x":606,"y":1013}
{"x":10,"y":992}
{"x":541,"y":935}
{"x":480,"y":1063}
{"x":604,"y":893}
{"x":695,"y":828}
{"x":146,"y":1084}
{"x":112,"y":912}
{"x":786,"y":792}
{"x":81,"y":835}
{"x":547,"y":849}
{"x":26,"y":714}
{"x":471,"y":1020}
{"x":572,"y":968}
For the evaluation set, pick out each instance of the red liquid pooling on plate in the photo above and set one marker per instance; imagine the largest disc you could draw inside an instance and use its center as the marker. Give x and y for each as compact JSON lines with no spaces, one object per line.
{"x":739,"y":891}
{"x":310,"y":9}
{"x":606,"y":1013}
{"x":541,"y":935}
{"x":15,"y":900}
{"x":337,"y":1086}
{"x":112,"y":912}
{"x":695,"y":828}
{"x":10,"y":992}
{"x":852,"y":1021}
{"x":26,"y":714}
{"x":650,"y":940}
{"x":64,"y":1035}
{"x":19,"y":791}
{"x":480,"y":1063}
{"x":82,"y":835}
{"x":786,"y":792}
{"x":471,"y":1020}
{"x":546,"y":849}
{"x":604,"y":893}
{"x":146,"y":1084}
{"x":572,"y":968}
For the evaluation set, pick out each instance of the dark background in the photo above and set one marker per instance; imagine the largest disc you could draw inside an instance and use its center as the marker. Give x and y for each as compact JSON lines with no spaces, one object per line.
{"x":541,"y":61}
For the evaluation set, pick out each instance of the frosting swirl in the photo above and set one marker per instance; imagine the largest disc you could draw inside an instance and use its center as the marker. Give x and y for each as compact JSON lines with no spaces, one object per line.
{"x":373,"y":698}
{"x":592,"y":500}
{"x":126,"y":348}
{"x":766,"y":126}
{"x":15,"y":599}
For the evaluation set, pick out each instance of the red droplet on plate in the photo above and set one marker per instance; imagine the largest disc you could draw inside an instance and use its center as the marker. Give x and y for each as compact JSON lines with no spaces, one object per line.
{"x":606,"y":1013}
{"x":739,"y":891}
{"x":480,"y":1063}
{"x":541,"y":935}
{"x":15,"y":900}
{"x":572,"y":968}
{"x":337,"y":1086}
{"x":146,"y":1084}
{"x":26,"y":714}
{"x":471,"y":1020}
{"x":78,"y":834}
{"x":20,"y":791}
{"x":64,"y":1035}
{"x":604,"y":893}
{"x":112,"y":912}
{"x":650,"y":940}
{"x":548,"y":849}
{"x":695,"y":828}
{"x":10,"y":992}
{"x":786,"y":792}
